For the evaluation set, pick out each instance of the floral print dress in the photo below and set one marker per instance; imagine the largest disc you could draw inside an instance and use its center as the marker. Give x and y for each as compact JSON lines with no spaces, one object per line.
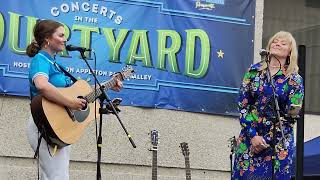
{"x":257,"y":117}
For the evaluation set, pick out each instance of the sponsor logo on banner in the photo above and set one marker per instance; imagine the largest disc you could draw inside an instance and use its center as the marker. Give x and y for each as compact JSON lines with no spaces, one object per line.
{"x":207,"y":4}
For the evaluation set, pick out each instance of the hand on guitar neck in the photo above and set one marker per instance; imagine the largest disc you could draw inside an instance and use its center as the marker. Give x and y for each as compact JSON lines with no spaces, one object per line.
{"x":118,"y":85}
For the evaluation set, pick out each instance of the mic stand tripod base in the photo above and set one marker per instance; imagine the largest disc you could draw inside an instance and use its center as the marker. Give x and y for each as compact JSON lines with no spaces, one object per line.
{"x":104,"y":111}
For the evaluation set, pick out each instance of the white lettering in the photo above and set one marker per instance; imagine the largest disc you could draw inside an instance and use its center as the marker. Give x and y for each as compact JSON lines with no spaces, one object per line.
{"x":70,"y":69}
{"x":111,"y":14}
{"x":78,"y":18}
{"x":86,"y":6}
{"x":64,"y":8}
{"x":118,"y":20}
{"x":21,"y":64}
{"x":141,"y":77}
{"x":94,"y":8}
{"x":55,"y":11}
{"x":87,"y":71}
{"x":103,"y":11}
{"x":75,"y":6}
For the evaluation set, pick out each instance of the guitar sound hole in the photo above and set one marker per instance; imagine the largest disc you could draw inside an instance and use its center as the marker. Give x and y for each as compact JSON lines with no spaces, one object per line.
{"x":86,"y":106}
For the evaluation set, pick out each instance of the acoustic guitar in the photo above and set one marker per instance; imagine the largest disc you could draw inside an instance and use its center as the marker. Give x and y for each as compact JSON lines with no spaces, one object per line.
{"x":62,"y":126}
{"x":154,"y":141}
{"x":186,"y":153}
{"x":233,"y":148}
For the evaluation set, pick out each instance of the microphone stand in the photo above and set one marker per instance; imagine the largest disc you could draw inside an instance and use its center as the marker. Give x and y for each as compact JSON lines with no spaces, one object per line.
{"x":279,"y":119}
{"x":104,"y":97}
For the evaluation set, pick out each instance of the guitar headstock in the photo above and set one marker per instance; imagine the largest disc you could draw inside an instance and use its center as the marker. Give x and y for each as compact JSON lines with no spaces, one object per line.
{"x":154,"y":134}
{"x":185,"y":149}
{"x":126,"y":72}
{"x":233,"y":144}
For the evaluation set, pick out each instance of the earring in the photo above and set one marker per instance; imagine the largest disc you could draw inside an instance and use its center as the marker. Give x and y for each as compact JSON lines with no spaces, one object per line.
{"x":47,"y":45}
{"x":288,"y":60}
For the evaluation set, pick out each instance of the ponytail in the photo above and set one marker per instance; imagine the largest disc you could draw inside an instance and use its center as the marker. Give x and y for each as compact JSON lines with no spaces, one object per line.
{"x":33,"y":49}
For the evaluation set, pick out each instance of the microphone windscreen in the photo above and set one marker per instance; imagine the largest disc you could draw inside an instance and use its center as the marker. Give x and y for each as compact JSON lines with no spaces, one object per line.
{"x":69,"y":47}
{"x":263,"y":52}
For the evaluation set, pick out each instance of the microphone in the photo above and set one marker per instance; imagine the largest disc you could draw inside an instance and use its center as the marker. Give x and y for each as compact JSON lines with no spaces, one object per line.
{"x":264,"y":52}
{"x":70,"y":47}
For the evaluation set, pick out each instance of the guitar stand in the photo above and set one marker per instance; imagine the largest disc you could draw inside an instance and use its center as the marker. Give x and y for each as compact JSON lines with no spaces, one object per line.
{"x":108,"y":109}
{"x":111,"y":107}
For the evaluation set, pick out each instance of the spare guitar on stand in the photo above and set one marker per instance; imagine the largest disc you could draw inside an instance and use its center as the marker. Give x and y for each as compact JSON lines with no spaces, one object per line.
{"x":185,"y":152}
{"x":154,"y":142}
{"x":233,"y":148}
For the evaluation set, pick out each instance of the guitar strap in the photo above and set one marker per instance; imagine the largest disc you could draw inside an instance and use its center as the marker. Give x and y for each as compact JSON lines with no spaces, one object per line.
{"x":67,"y":73}
{"x":42,"y":134}
{"x":36,"y":154}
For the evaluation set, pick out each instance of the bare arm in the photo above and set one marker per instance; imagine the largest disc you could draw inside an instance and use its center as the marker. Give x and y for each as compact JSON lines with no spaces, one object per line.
{"x":51,"y":93}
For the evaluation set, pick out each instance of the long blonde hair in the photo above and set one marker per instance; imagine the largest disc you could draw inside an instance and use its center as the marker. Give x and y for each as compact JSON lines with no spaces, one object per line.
{"x":293,"y":58}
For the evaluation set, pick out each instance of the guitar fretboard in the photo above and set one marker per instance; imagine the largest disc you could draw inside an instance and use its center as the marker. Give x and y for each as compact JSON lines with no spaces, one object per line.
{"x":93,"y":95}
{"x":188,"y":172}
{"x":185,"y":152}
{"x":154,"y":163}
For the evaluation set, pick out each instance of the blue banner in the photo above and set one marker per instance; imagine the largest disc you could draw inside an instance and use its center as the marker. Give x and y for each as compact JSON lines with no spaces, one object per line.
{"x":188,"y":55}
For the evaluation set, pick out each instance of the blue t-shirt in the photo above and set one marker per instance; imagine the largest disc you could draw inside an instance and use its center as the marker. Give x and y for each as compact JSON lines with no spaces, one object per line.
{"x":43,"y":64}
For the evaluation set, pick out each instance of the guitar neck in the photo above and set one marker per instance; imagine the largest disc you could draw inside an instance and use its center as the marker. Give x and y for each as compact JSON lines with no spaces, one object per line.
{"x":93,"y":95}
{"x":188,"y":172}
{"x":154,"y":164}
